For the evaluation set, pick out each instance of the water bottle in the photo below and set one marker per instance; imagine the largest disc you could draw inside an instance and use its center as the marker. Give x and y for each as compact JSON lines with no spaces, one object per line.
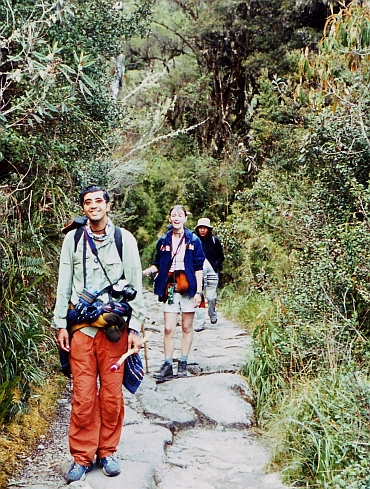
{"x":171,"y":295}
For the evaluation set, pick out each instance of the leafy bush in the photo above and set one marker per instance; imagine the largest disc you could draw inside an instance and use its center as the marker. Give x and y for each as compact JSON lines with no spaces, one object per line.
{"x":25,"y":343}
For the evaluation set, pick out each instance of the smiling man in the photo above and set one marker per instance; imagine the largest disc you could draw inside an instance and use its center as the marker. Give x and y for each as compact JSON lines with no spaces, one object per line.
{"x":97,"y":409}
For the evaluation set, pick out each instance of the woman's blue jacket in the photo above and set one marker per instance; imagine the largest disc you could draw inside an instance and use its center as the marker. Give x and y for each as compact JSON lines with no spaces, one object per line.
{"x":193,"y":261}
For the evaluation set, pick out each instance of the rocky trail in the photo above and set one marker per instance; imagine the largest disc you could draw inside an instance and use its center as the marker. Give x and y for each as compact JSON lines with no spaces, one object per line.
{"x":190,"y":433}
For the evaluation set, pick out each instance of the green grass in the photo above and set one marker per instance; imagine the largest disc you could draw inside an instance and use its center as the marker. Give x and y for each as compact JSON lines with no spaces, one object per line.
{"x":312,"y":394}
{"x":248,"y":310}
{"x":322,"y":431}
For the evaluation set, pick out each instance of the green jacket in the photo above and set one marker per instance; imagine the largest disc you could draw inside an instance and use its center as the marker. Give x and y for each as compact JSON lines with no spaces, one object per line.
{"x":71,"y":280}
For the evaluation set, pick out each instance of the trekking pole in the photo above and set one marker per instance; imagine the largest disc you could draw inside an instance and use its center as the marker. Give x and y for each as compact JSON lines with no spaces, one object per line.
{"x":116,"y":365}
{"x":145,"y":349}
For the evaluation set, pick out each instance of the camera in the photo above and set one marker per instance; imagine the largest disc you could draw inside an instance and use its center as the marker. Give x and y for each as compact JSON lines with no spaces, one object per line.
{"x":123,"y":290}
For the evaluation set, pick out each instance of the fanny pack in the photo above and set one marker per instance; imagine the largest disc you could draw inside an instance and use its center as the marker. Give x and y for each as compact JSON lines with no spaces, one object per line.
{"x":179,"y":279}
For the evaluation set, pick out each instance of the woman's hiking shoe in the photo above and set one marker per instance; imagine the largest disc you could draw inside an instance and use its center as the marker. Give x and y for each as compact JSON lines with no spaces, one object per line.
{"x":165,"y":372}
{"x":111,"y":466}
{"x":182,"y":369}
{"x":77,"y":472}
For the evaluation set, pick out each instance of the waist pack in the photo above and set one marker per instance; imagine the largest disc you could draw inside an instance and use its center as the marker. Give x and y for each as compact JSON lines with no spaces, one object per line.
{"x":180,"y":281}
{"x":87,"y":312}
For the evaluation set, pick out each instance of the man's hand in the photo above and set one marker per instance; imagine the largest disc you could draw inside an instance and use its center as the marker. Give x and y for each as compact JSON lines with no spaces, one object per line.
{"x":63,"y":339}
{"x":134,"y":341}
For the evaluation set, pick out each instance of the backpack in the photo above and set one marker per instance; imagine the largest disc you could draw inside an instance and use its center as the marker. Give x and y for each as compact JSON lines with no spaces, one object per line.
{"x":78,"y":223}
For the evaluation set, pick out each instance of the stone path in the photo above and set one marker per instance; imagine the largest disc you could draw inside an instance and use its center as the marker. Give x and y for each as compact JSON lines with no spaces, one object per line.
{"x":190,"y":433}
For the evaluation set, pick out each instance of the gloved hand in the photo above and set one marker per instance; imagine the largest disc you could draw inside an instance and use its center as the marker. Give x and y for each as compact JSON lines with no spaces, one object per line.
{"x":115,"y":324}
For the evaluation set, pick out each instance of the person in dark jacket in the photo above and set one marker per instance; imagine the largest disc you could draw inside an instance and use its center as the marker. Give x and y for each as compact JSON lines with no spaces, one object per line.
{"x":178,"y":263}
{"x":214,"y":253}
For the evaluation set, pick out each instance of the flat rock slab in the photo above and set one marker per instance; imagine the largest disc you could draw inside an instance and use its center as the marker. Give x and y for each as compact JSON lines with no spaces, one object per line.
{"x":224,"y":399}
{"x":166,"y":411}
{"x":201,"y":459}
{"x":219,"y":348}
{"x":144,"y":443}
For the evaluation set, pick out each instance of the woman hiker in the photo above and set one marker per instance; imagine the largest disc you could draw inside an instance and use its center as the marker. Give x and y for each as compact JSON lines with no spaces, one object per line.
{"x":178,"y":263}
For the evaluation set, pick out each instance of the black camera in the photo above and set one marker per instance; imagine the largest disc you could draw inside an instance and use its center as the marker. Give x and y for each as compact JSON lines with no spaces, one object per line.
{"x":123,"y":290}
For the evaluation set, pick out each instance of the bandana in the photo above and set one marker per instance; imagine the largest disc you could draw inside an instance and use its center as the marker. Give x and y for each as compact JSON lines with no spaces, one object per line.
{"x":100,"y":237}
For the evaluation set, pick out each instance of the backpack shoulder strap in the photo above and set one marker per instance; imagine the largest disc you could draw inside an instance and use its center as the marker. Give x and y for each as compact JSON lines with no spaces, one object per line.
{"x":118,"y":240}
{"x":77,"y":236}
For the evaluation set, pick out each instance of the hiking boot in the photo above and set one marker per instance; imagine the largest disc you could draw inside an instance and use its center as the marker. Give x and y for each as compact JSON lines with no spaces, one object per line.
{"x":213,"y":321}
{"x":77,"y":472}
{"x":165,"y":372}
{"x":111,"y":466}
{"x":182,"y":368}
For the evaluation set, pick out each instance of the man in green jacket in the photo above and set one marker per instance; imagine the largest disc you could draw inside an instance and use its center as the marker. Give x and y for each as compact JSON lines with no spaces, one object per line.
{"x":97,"y":410}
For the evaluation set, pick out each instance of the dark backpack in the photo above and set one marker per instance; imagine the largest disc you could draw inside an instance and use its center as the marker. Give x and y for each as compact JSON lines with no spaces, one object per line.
{"x":79,"y":222}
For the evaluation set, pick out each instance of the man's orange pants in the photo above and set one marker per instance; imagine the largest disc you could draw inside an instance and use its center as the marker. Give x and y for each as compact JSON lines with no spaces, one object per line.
{"x":97,"y":411}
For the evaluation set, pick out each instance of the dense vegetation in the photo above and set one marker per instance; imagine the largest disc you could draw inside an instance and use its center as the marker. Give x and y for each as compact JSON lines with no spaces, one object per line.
{"x":252,"y":113}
